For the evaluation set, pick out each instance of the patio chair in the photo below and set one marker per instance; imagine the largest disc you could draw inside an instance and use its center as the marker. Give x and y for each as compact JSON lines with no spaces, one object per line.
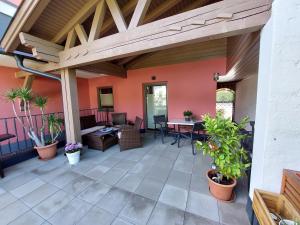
{"x":160,"y":123}
{"x":198,"y":134}
{"x":119,"y":119}
{"x":130,"y":136}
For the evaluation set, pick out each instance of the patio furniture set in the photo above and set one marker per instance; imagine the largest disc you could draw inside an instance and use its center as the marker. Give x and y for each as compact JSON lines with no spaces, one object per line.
{"x":120,"y":131}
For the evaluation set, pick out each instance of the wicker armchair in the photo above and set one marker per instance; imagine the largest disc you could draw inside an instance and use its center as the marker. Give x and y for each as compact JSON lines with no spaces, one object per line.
{"x":130,"y":136}
{"x":119,"y":119}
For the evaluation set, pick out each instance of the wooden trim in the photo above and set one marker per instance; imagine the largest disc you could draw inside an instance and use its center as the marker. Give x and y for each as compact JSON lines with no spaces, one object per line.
{"x":117,"y":15}
{"x":97,"y":21}
{"x":26,"y":16}
{"x":248,"y":16}
{"x":81,"y":34}
{"x":139,"y":13}
{"x":106,"y":68}
{"x":28,"y":81}
{"x":80,"y":17}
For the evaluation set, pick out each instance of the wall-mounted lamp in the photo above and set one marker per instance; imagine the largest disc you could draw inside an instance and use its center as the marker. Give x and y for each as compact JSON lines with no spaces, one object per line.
{"x":216,"y":76}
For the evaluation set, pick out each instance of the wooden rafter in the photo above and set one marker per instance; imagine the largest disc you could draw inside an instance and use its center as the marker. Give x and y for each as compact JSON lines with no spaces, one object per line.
{"x":117,"y":15}
{"x":106,"y":68}
{"x":81,"y":34}
{"x":139,"y":13}
{"x":28,"y":81}
{"x":71,"y":39}
{"x":248,"y":16}
{"x":41,"y":49}
{"x":87,"y":10}
{"x":28,"y":13}
{"x":126,"y":10}
{"x":97,"y":21}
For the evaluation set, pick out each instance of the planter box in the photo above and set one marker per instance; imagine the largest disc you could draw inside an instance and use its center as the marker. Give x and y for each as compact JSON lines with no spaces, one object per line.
{"x":286,"y":204}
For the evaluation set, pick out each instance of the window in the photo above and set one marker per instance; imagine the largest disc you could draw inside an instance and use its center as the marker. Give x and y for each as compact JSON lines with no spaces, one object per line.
{"x":225,"y":102}
{"x":105,"y":99}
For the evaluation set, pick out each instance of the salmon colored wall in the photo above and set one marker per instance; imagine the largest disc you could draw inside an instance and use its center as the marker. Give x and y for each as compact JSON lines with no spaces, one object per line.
{"x":190,"y":86}
{"x":40,"y":86}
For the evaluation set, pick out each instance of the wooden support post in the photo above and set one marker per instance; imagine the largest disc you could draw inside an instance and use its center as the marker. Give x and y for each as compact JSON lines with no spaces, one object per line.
{"x":71,"y":107}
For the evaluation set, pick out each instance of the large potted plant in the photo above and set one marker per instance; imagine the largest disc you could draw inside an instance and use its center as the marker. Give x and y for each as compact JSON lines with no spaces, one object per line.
{"x":46,"y":148}
{"x":187,"y":115}
{"x":229,"y":157}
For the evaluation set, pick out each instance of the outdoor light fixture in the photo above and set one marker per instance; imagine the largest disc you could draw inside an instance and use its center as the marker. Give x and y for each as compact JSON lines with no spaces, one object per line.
{"x":216,"y":76}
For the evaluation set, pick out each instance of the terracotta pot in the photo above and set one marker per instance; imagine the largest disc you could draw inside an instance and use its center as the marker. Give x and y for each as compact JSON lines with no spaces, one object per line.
{"x":48,"y":151}
{"x":220,"y":191}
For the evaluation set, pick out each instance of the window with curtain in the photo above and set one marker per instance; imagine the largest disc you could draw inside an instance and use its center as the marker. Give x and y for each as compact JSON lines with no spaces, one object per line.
{"x":105,"y":99}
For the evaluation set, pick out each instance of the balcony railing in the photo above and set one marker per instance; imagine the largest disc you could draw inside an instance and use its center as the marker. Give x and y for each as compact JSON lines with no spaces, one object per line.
{"x":20,"y":147}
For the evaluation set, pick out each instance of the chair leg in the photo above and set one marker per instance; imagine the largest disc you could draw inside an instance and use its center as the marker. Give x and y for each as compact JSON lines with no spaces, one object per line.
{"x":193,"y":148}
{"x":178,"y":140}
{"x":162,"y":135}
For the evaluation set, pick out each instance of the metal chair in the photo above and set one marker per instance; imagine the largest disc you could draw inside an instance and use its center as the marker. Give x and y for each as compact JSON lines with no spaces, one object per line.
{"x":198,"y":134}
{"x":160,"y":123}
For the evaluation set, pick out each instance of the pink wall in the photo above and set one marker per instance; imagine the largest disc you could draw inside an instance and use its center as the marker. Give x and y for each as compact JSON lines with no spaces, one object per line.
{"x":190,"y":86}
{"x":40,"y":86}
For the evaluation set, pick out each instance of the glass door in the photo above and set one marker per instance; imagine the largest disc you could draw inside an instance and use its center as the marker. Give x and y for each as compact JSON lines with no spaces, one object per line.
{"x":156,"y":102}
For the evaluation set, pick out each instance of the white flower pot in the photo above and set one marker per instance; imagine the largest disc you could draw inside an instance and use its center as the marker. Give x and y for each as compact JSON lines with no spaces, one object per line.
{"x":73,"y":157}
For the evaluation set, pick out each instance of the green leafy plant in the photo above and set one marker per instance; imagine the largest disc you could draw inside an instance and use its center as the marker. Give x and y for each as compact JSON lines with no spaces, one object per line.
{"x":25,"y":96}
{"x":187,"y":113}
{"x":54,"y":125}
{"x":224,"y":147}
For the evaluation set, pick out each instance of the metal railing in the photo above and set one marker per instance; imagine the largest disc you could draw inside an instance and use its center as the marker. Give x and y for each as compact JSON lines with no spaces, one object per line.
{"x":21,"y":147}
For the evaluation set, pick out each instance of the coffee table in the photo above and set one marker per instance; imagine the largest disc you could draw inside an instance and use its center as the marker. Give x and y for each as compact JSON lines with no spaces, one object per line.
{"x":101,"y":139}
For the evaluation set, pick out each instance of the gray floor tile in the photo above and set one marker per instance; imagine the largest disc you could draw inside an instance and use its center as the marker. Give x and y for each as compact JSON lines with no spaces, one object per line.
{"x":39,"y":194}
{"x":64,"y":178}
{"x":97,"y":172}
{"x":71,"y":213}
{"x":125,"y":164}
{"x":141,"y":168}
{"x":48,"y":172}
{"x":179,"y":179}
{"x":233,"y":214}
{"x":78,"y":185}
{"x":17,"y":181}
{"x":112,"y":176}
{"x":29,"y":218}
{"x":174,"y":196}
{"x":119,"y":221}
{"x":114,"y":201}
{"x":130,"y":182}
{"x":203,"y":205}
{"x":182,"y":165}
{"x":150,"y":188}
{"x":110,"y":162}
{"x":6,"y":199}
{"x":191,"y":219}
{"x":199,"y":184}
{"x":164,"y":214}
{"x":26,"y":188}
{"x":158,"y":173}
{"x":97,"y":216}
{"x":51,"y":205}
{"x":138,"y":210}
{"x":12,"y":211}
{"x":94,"y":192}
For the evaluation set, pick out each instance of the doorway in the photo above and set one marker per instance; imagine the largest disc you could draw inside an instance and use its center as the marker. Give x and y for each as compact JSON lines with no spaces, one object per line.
{"x":156,"y":102}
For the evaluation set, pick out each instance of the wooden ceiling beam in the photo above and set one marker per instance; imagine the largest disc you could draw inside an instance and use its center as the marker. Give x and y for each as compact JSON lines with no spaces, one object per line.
{"x":71,"y":39}
{"x":139,"y":13}
{"x":248,"y":16}
{"x":87,"y":10}
{"x":97,"y":21}
{"x":126,"y":10}
{"x":117,"y":15}
{"x":106,"y":68}
{"x":24,"y":19}
{"x":81,"y":34}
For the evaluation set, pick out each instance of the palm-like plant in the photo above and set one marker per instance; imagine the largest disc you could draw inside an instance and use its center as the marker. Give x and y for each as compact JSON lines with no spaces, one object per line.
{"x":25,"y":96}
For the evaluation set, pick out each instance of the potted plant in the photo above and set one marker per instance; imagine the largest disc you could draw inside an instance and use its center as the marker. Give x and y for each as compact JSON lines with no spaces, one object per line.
{"x":45,"y":149}
{"x":187,"y":115}
{"x":229,"y":157}
{"x":73,"y":152}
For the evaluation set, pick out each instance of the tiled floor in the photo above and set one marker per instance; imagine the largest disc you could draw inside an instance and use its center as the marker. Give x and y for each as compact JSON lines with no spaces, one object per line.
{"x":158,"y":184}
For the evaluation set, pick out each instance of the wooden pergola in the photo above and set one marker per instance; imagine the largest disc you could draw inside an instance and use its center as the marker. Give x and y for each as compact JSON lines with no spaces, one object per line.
{"x":112,"y":36}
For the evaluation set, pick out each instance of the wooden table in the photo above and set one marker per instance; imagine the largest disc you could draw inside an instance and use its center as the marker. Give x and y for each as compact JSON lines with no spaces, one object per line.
{"x":178,"y":123}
